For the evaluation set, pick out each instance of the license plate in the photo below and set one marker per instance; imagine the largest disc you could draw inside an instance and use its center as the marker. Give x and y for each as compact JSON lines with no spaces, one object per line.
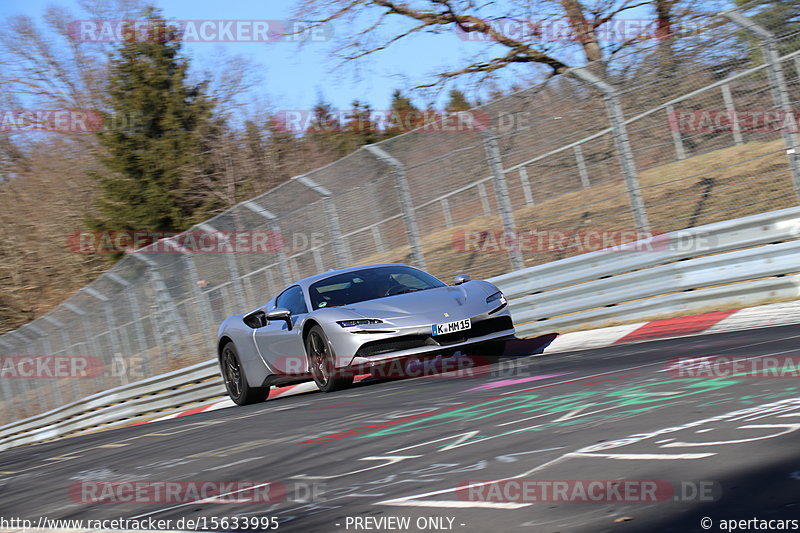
{"x":451,"y":327}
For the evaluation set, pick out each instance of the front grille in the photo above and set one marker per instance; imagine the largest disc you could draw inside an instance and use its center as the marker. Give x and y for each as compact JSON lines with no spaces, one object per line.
{"x":408,"y":342}
{"x":490,"y":325}
{"x":405,"y":342}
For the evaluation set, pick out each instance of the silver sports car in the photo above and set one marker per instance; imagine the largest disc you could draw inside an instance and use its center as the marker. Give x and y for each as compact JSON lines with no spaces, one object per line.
{"x":324,"y":327}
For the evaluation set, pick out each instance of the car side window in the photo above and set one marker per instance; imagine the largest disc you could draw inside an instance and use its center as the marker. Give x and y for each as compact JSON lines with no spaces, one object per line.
{"x":293,"y":300}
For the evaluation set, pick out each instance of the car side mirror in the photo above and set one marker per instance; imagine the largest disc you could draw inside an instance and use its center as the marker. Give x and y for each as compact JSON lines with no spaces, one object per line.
{"x":280,"y":313}
{"x":461,"y":278}
{"x":256,"y":319}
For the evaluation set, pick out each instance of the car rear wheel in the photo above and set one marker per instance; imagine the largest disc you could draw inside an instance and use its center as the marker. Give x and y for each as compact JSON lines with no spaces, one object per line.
{"x":321,"y":361}
{"x":235,"y":381}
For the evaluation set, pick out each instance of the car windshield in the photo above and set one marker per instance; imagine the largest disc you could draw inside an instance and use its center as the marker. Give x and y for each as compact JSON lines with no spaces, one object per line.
{"x":369,"y":284}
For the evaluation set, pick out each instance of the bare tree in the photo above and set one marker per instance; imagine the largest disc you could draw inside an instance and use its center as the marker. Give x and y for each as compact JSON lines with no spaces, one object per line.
{"x":369,"y":20}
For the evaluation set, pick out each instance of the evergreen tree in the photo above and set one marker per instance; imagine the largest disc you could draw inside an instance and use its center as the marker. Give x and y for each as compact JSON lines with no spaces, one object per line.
{"x":325,"y":129}
{"x":780,"y":17}
{"x":404,"y":115}
{"x":359,"y":129}
{"x":457,"y":101}
{"x":152,"y":162}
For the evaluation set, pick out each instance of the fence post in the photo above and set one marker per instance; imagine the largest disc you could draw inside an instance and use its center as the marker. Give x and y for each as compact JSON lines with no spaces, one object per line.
{"x":406,"y":204}
{"x":48,"y":348}
{"x":581,"y":162}
{"x":133,"y":305}
{"x":503,"y":200}
{"x":622,"y":143}
{"x":200,"y":297}
{"x":33,"y":381}
{"x":5,"y":384}
{"x":484,"y":196}
{"x":780,"y":92}
{"x":87,"y":330}
{"x":283,"y":262}
{"x":230,"y":262}
{"x":90,"y":340}
{"x":526,"y":186}
{"x":448,"y":216}
{"x":727,"y":97}
{"x":167,"y":320}
{"x":376,"y":236}
{"x":677,"y":140}
{"x":14,"y":384}
{"x":108,"y":312}
{"x":340,"y":247}
{"x":66,"y":342}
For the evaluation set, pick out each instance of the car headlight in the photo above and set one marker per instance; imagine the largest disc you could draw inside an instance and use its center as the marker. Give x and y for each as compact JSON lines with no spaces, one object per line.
{"x":358,"y":322}
{"x":496,"y":297}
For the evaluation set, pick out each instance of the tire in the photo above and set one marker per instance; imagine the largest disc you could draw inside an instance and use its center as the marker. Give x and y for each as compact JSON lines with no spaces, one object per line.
{"x":235,"y":381}
{"x":321,"y":362}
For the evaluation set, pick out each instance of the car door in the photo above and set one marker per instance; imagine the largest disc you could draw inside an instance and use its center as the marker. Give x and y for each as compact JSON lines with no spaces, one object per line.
{"x":281,"y":346}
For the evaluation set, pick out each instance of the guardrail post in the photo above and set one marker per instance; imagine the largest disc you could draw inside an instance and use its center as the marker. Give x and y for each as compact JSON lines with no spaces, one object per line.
{"x":503,"y":200}
{"x":780,"y":92}
{"x":727,"y":97}
{"x":340,"y":247}
{"x":622,"y":143}
{"x":66,"y":344}
{"x":283,"y":262}
{"x":406,"y":204}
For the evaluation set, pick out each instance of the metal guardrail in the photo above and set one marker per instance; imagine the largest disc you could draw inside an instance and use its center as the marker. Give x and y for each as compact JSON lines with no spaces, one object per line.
{"x":119,"y":406}
{"x":734,"y":263}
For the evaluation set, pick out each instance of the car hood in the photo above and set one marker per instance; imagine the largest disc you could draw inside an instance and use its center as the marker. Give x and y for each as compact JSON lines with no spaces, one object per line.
{"x":442,"y":304}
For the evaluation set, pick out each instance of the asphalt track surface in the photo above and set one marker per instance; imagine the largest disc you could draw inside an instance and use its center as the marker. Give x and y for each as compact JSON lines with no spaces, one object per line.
{"x":401,"y":449}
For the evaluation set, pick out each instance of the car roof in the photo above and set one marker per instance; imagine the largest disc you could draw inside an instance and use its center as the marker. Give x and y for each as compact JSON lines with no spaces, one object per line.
{"x":306,"y":282}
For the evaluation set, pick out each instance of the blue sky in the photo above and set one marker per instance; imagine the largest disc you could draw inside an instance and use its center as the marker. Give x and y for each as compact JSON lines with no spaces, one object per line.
{"x":293,"y":76}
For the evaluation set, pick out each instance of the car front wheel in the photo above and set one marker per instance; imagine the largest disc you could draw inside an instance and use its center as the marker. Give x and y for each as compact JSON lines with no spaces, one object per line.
{"x":321,"y":362}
